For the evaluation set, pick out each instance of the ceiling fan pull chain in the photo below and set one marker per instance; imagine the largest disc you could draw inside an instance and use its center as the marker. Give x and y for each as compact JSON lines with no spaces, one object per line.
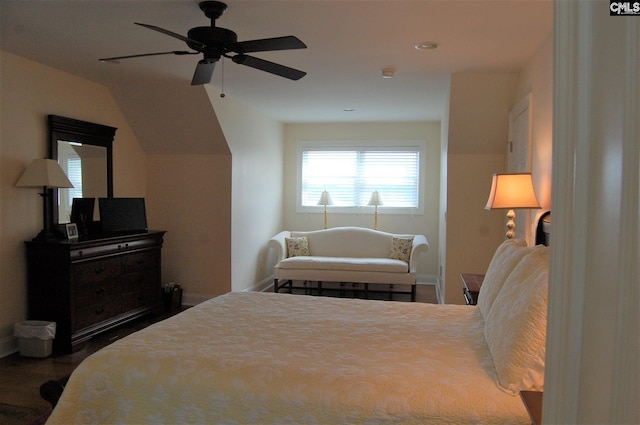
{"x":222,"y":85}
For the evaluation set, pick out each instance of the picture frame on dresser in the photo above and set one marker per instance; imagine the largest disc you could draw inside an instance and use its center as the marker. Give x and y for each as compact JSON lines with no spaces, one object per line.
{"x":71,"y":231}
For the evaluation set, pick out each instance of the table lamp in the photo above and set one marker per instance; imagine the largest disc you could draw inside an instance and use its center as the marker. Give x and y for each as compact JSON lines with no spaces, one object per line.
{"x":325,"y":200}
{"x":511,"y":191}
{"x":375,"y":201}
{"x":45,"y":173}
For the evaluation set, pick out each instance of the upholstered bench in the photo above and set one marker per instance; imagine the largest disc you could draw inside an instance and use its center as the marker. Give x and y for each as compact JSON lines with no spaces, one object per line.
{"x":342,"y":255}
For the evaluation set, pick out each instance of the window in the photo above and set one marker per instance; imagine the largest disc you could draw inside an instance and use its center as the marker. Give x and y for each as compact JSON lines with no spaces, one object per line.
{"x":70,"y":161}
{"x":351,"y":172}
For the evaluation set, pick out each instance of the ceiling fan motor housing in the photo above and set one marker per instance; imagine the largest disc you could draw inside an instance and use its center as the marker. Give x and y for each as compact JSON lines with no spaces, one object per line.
{"x":214,"y":38}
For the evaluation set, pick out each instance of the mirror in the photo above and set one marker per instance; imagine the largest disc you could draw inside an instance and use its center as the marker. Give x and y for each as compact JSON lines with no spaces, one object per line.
{"x":84,"y":151}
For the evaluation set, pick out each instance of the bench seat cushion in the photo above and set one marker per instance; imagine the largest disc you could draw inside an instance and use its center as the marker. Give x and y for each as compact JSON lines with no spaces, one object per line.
{"x":387,"y":265}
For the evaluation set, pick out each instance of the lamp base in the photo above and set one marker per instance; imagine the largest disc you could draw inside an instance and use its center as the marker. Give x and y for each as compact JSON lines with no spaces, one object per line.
{"x":511,"y":225}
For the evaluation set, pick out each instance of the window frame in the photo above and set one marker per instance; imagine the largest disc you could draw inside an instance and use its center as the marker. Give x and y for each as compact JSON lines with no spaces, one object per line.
{"x":399,"y":145}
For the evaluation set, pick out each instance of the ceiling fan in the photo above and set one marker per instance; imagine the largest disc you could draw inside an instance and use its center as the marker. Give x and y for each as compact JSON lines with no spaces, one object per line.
{"x":216,"y":42}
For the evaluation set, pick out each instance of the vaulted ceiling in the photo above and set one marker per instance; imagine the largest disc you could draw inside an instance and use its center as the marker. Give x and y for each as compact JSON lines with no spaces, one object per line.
{"x":349,"y":43}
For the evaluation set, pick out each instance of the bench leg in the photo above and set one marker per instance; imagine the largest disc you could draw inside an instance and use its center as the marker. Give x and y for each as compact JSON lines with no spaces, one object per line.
{"x":413,"y":292}
{"x":275,"y":285}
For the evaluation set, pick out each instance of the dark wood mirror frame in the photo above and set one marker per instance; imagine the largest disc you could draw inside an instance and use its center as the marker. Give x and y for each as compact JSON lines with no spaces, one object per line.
{"x":72,"y":130}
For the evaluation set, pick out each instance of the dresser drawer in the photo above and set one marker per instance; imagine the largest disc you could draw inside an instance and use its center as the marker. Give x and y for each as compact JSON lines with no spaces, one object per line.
{"x":97,"y":292}
{"x":144,"y":260}
{"x":88,"y":315}
{"x":95,"y":271}
{"x":144,"y":295}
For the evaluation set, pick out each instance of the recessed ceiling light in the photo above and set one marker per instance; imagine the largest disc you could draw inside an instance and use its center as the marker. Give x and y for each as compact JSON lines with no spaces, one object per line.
{"x":387,"y":72}
{"x":349,"y":109}
{"x":426,"y":45}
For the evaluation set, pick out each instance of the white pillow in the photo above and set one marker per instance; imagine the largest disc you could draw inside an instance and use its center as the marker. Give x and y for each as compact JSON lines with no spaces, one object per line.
{"x":516,"y":326}
{"x":505,"y":259}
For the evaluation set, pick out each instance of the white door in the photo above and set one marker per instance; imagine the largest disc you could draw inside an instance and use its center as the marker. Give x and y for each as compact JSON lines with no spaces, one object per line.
{"x":519,"y":157}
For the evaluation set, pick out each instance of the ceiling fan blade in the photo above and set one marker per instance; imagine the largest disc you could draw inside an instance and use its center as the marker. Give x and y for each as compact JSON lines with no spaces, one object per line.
{"x":175,"y":35}
{"x":268,"y":44}
{"x":173,"y":52}
{"x":271,"y":67}
{"x":203,"y":73}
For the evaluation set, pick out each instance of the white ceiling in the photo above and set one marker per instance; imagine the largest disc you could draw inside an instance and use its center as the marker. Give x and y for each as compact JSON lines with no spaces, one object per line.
{"x":349,"y":42}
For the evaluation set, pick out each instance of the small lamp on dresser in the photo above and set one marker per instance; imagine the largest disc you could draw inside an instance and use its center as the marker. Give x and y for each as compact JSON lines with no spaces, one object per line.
{"x":45,"y":173}
{"x":511,"y":191}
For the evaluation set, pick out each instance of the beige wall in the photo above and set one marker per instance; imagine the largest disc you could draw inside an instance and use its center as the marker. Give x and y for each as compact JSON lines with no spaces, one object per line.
{"x":478,"y":132}
{"x":537,"y":78}
{"x":476,"y":151}
{"x":30,"y":92}
{"x":189,"y":196}
{"x":426,"y":223}
{"x":255,"y":142}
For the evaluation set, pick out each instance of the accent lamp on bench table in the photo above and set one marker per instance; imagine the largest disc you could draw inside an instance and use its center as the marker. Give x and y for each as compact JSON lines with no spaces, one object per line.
{"x":325,"y":200}
{"x":45,"y":173}
{"x":511,"y":191}
{"x":375,"y":201}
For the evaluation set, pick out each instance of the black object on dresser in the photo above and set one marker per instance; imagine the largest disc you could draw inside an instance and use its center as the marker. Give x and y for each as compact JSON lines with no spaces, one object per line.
{"x":90,"y":285}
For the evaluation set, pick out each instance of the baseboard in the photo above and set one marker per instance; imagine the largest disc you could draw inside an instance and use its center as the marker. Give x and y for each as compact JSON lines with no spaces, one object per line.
{"x":8,"y":346}
{"x":427,"y":279}
{"x":190,"y":299}
{"x":260,"y":286}
{"x":439,"y":295}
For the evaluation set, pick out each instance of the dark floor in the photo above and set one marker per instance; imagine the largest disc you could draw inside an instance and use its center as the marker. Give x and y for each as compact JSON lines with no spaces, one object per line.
{"x":424,"y":293}
{"x":21,"y":377}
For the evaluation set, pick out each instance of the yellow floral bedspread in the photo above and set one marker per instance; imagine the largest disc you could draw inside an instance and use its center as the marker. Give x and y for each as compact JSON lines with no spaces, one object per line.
{"x":264,"y":358}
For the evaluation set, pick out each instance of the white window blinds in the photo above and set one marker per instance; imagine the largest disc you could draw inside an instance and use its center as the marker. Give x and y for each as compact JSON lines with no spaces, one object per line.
{"x":350,"y":175}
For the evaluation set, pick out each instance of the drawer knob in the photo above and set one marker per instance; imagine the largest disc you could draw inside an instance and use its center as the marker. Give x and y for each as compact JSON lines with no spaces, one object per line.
{"x":100,"y":291}
{"x":99,"y":270}
{"x":99,"y":310}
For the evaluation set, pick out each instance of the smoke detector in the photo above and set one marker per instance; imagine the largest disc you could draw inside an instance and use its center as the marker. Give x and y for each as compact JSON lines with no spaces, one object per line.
{"x":426,"y":45}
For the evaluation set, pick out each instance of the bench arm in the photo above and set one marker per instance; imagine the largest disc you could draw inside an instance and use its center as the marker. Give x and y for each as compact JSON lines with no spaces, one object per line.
{"x":420,"y":244}
{"x":279,"y":244}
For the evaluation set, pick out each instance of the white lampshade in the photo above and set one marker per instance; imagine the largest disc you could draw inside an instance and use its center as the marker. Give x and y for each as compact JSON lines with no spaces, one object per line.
{"x":325,"y":199}
{"x":44,"y":173}
{"x":510,"y":191}
{"x":376,"y":199}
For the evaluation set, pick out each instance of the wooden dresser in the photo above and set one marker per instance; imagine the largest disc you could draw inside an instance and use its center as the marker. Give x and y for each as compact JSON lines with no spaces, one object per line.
{"x":90,"y":285}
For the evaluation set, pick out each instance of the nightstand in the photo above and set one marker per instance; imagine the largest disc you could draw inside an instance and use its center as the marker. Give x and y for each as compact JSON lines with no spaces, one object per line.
{"x":471,"y":284}
{"x":533,"y":402}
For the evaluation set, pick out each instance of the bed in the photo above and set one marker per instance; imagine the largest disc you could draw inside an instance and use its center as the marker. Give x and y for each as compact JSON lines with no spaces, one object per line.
{"x":272,"y":358}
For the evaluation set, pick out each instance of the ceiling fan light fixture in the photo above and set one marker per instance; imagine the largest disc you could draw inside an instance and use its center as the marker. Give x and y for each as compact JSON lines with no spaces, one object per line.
{"x":426,"y":45}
